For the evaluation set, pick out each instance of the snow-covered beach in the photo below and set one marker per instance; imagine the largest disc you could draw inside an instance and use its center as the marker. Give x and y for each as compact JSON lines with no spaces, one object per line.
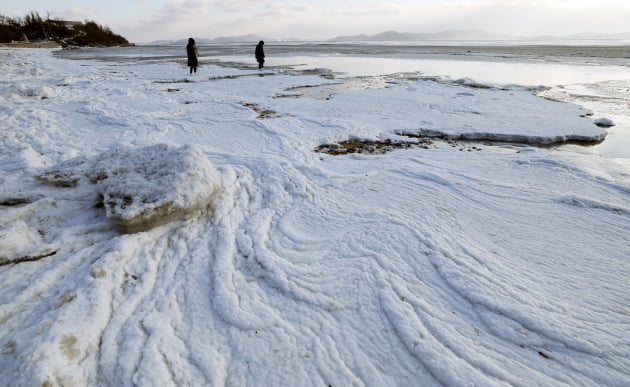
{"x":466,"y":255}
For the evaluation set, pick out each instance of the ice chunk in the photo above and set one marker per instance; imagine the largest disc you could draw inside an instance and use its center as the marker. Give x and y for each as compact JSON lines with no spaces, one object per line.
{"x":144,"y":187}
{"x":155,"y":185}
{"x":604,"y":122}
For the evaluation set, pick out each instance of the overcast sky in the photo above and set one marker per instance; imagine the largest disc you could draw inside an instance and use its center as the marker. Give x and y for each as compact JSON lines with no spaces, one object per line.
{"x":147,"y":20}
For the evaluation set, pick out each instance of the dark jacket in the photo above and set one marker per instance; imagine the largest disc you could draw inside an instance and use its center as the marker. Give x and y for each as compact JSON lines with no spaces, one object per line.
{"x":260,"y":54}
{"x":191,"y":50}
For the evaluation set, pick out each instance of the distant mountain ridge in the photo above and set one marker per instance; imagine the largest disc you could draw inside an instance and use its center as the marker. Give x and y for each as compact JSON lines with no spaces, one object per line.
{"x":249,"y":38}
{"x":394,"y":36}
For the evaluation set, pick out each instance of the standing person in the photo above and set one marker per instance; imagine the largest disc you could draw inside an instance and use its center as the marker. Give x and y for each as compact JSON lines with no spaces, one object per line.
{"x":193,"y":53}
{"x":260,"y":55}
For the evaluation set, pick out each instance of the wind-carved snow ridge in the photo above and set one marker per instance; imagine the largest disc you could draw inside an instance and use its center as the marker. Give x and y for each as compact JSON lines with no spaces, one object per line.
{"x":232,"y":281}
{"x":483,"y":300}
{"x":144,"y":188}
{"x":256,"y":216}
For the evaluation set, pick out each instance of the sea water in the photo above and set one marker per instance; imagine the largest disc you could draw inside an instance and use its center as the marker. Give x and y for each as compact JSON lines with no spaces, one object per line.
{"x":593,"y":74}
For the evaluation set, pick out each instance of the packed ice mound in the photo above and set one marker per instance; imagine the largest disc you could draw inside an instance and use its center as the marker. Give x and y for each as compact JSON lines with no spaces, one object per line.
{"x":143,"y":188}
{"x":462,"y":110}
{"x":604,"y":122}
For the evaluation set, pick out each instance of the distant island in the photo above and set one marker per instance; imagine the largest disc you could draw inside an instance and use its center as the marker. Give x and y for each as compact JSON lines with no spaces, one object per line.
{"x":34,"y":29}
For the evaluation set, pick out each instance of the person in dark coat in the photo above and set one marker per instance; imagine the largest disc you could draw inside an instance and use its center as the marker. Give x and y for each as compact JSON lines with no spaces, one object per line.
{"x":193,"y":53}
{"x":260,"y":54}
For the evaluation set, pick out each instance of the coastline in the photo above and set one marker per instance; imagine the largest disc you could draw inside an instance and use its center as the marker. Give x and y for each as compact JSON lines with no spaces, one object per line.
{"x":46,"y":44}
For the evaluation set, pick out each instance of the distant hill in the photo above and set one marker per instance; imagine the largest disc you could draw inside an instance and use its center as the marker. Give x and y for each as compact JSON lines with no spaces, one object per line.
{"x":220,"y":40}
{"x":66,"y":33}
{"x":394,"y":36}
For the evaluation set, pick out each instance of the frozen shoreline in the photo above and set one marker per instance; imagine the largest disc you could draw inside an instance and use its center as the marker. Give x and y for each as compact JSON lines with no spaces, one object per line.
{"x":426,"y":266}
{"x":595,"y":76}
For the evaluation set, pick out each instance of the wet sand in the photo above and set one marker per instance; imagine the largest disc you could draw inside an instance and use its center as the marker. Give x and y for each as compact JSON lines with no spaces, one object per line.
{"x":47,"y":44}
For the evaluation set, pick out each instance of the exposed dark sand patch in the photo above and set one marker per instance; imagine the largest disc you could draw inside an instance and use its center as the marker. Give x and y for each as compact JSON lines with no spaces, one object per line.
{"x":224,"y":77}
{"x":371,"y":146}
{"x":185,"y":80}
{"x":262,"y":113}
{"x":376,"y":147}
{"x":27,"y":258}
{"x":449,"y":141}
{"x":10,"y":202}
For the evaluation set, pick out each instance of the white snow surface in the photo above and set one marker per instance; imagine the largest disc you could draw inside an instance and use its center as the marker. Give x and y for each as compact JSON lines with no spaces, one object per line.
{"x":438,"y":266}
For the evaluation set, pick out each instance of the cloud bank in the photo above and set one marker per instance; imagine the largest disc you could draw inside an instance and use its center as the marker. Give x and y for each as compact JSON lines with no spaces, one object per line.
{"x":147,"y":20}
